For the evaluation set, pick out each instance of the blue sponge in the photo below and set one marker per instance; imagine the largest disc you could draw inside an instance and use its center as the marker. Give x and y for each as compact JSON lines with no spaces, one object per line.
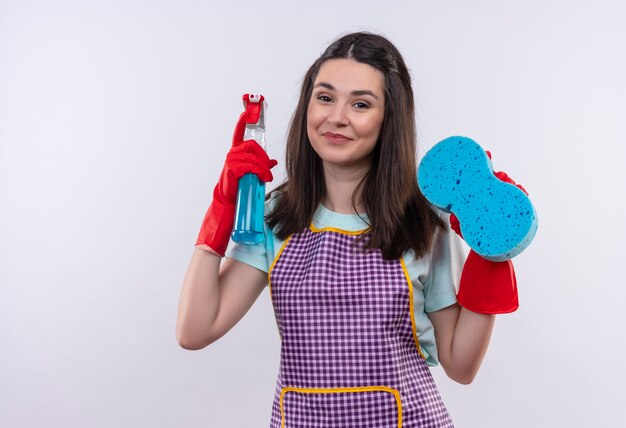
{"x":498,"y":221}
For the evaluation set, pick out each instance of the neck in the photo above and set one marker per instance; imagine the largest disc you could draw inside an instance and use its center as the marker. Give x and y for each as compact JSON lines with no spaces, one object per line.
{"x":340,"y":185}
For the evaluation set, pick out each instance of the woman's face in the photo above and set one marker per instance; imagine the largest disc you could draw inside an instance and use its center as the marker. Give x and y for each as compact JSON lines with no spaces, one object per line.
{"x":346,"y":112}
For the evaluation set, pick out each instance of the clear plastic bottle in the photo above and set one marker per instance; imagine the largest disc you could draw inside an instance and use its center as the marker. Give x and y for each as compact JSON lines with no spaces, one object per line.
{"x":250,"y":209}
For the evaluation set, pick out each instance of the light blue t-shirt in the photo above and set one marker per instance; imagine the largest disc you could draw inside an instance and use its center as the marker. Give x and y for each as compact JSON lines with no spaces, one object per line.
{"x":435,"y":276}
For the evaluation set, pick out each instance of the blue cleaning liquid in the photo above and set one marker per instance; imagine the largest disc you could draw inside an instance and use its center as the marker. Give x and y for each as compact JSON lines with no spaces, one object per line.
{"x":250,"y":208}
{"x":249,"y":215}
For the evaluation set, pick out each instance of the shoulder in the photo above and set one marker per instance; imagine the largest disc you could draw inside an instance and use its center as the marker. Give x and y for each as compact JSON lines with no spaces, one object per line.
{"x":260,"y":255}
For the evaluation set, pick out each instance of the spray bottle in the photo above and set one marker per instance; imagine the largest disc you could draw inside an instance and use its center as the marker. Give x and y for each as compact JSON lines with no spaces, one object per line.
{"x":250,"y":208}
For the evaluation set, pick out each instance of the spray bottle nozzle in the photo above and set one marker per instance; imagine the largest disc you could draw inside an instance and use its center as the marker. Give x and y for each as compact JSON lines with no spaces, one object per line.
{"x":254,"y":105}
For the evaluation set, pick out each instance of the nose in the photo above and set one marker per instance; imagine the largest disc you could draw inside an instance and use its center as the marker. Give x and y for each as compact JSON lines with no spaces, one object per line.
{"x":337,"y":115}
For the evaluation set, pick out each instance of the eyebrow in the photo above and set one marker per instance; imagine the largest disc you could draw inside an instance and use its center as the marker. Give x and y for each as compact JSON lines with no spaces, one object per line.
{"x":357,"y":92}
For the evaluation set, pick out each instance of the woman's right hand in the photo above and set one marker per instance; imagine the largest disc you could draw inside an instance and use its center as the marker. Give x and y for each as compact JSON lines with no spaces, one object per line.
{"x":487,"y":287}
{"x":244,"y":157}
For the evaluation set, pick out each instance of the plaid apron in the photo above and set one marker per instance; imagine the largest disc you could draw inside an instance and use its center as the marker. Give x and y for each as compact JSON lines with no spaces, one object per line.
{"x":349,"y":352}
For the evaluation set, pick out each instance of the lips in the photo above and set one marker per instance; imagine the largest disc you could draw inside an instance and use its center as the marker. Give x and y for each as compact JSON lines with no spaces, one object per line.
{"x":335,"y":138}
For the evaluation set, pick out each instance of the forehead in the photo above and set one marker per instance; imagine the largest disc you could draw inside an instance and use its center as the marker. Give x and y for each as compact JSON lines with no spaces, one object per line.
{"x":349,"y":75}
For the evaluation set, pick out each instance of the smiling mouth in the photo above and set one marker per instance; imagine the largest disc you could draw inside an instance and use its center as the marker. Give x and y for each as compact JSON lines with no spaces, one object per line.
{"x":335,"y":138}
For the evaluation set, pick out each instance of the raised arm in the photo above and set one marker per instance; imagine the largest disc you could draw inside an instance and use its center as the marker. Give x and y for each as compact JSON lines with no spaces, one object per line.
{"x":463,"y":330}
{"x":487,"y":285}
{"x":462,"y":338}
{"x":213,"y":298}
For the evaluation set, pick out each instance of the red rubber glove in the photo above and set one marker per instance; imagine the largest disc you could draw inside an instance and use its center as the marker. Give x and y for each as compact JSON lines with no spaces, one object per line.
{"x":503,"y":176}
{"x":243,"y":157}
{"x":487,"y":287}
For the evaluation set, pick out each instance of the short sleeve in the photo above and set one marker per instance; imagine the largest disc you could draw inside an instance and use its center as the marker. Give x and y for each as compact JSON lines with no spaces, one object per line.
{"x":253,"y":255}
{"x":434,"y":278}
{"x":447,"y":257}
{"x":259,"y":256}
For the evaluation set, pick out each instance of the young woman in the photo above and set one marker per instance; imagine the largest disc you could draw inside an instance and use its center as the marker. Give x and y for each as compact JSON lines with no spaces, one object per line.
{"x":361,"y":270}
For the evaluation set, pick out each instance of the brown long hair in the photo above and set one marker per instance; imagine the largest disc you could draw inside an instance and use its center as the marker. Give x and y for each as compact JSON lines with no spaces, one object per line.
{"x":399,"y":216}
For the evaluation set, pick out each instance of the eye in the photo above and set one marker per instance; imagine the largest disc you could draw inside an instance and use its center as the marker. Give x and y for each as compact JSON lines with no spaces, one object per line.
{"x":361,"y":105}
{"x":324,"y":98}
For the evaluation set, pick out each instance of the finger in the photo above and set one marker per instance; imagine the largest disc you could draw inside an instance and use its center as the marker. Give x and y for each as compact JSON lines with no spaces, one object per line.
{"x":519,"y":186}
{"x":503,"y":176}
{"x":241,"y":163}
{"x":251,"y":146}
{"x":240,"y":129}
{"x":240,"y":158}
{"x":455,"y":224}
{"x":264,"y":174}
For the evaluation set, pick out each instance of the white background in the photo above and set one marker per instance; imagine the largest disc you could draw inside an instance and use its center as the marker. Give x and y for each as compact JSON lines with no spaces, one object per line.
{"x":114,"y":121}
